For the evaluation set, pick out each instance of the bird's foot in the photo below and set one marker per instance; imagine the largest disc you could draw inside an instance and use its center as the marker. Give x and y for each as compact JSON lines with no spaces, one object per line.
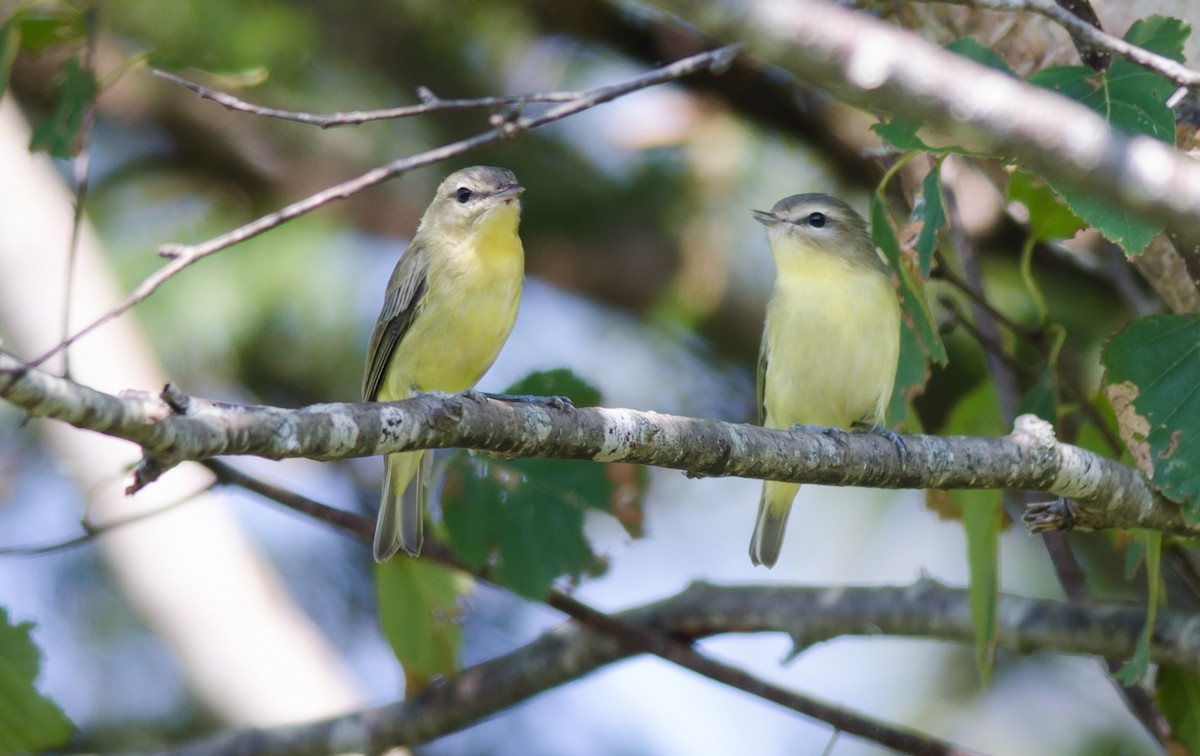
{"x":890,"y":435}
{"x":838,"y":435}
{"x":554,"y":402}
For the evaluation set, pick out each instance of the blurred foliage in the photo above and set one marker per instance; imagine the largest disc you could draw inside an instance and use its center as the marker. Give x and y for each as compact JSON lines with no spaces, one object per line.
{"x":28,"y":722}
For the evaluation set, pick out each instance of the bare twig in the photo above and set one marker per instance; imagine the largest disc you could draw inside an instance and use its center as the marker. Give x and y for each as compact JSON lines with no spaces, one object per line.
{"x":430,"y":103}
{"x":184,"y":255}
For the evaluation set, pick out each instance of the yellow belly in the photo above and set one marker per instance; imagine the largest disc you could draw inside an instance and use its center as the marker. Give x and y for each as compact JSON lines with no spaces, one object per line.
{"x":833,"y":341}
{"x":468,"y":310}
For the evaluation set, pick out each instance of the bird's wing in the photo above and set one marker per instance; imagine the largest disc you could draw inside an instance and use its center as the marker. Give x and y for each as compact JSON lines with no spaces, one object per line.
{"x":761,"y":380}
{"x":406,"y":289}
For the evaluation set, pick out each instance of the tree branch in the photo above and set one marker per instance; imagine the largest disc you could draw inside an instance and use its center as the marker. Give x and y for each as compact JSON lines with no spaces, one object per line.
{"x":875,"y":65}
{"x":1079,"y":28}
{"x":809,"y":615}
{"x":172,"y":428}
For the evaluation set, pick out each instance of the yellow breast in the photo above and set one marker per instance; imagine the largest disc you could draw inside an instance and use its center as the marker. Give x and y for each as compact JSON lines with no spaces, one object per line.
{"x":832,"y":336}
{"x":469,"y":307}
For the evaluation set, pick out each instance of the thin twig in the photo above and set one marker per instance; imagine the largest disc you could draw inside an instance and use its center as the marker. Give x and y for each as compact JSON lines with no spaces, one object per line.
{"x":430,"y":103}
{"x":183,"y":255}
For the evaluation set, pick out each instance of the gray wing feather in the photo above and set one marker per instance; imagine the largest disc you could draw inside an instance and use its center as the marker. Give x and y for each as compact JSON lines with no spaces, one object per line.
{"x":406,"y":290}
{"x":761,"y":379}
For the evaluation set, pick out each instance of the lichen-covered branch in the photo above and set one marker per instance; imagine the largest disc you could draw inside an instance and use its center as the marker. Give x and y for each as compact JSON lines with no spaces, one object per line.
{"x":808,"y":614}
{"x":172,"y":428}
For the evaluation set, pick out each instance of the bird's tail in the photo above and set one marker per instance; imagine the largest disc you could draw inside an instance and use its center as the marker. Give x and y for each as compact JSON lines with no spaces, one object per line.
{"x":773,"y":510}
{"x":401,"y":506}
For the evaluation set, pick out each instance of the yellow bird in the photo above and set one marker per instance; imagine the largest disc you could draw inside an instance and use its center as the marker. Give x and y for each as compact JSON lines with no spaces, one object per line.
{"x":831,"y":341}
{"x":449,"y":307}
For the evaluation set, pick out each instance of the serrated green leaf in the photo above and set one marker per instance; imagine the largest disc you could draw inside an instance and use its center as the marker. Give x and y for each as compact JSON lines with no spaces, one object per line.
{"x":1135,"y":669}
{"x":10,"y":42}
{"x":912,"y":294}
{"x":526,"y":516}
{"x":931,"y":211}
{"x":912,"y":373}
{"x":1150,"y":379}
{"x":419,"y":613}
{"x":1132,"y":100}
{"x":1129,"y":231}
{"x":1179,"y":699}
{"x":29,"y":722}
{"x":978,"y":414}
{"x":1049,"y":215}
{"x":57,"y":132}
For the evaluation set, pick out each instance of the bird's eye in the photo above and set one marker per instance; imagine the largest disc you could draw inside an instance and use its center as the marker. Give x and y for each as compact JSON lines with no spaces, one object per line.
{"x":463,"y":195}
{"x":816,"y":220}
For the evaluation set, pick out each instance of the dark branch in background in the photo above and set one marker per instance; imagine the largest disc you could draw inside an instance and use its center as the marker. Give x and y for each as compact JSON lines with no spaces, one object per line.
{"x":1091,"y":56}
{"x":633,"y":638}
{"x":809,"y":615}
{"x":183,"y":256}
{"x":1105,"y":493}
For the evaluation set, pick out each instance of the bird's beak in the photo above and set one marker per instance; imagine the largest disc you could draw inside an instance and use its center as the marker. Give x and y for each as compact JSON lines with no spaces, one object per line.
{"x":512,"y":190}
{"x":767,"y":219}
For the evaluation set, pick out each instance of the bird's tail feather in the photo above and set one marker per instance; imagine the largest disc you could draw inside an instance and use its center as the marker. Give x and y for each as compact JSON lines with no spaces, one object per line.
{"x":401,"y":507}
{"x":773,"y":509}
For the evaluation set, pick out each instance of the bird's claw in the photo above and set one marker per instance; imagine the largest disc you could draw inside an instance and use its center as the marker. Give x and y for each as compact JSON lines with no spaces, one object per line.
{"x":554,"y":402}
{"x":837,"y":435}
{"x":890,"y":435}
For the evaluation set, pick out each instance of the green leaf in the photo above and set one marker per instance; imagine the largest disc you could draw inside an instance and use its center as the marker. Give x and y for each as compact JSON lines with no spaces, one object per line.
{"x":912,"y":294}
{"x":1135,"y":669}
{"x":1150,"y":379}
{"x":1049,"y":216}
{"x":1127,"y":230}
{"x":29,"y":722}
{"x":912,"y":373}
{"x":1042,"y":399}
{"x":43,"y":30}
{"x":902,"y":135}
{"x":1179,"y":700}
{"x":419,"y":613}
{"x":526,"y":516}
{"x":57,"y":132}
{"x":1132,"y":100}
{"x":978,"y":414}
{"x":10,"y":42}
{"x":931,"y":211}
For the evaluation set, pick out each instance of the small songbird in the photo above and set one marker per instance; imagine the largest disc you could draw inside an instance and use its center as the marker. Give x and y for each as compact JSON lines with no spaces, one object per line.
{"x":449,"y":307}
{"x":831,"y":341}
